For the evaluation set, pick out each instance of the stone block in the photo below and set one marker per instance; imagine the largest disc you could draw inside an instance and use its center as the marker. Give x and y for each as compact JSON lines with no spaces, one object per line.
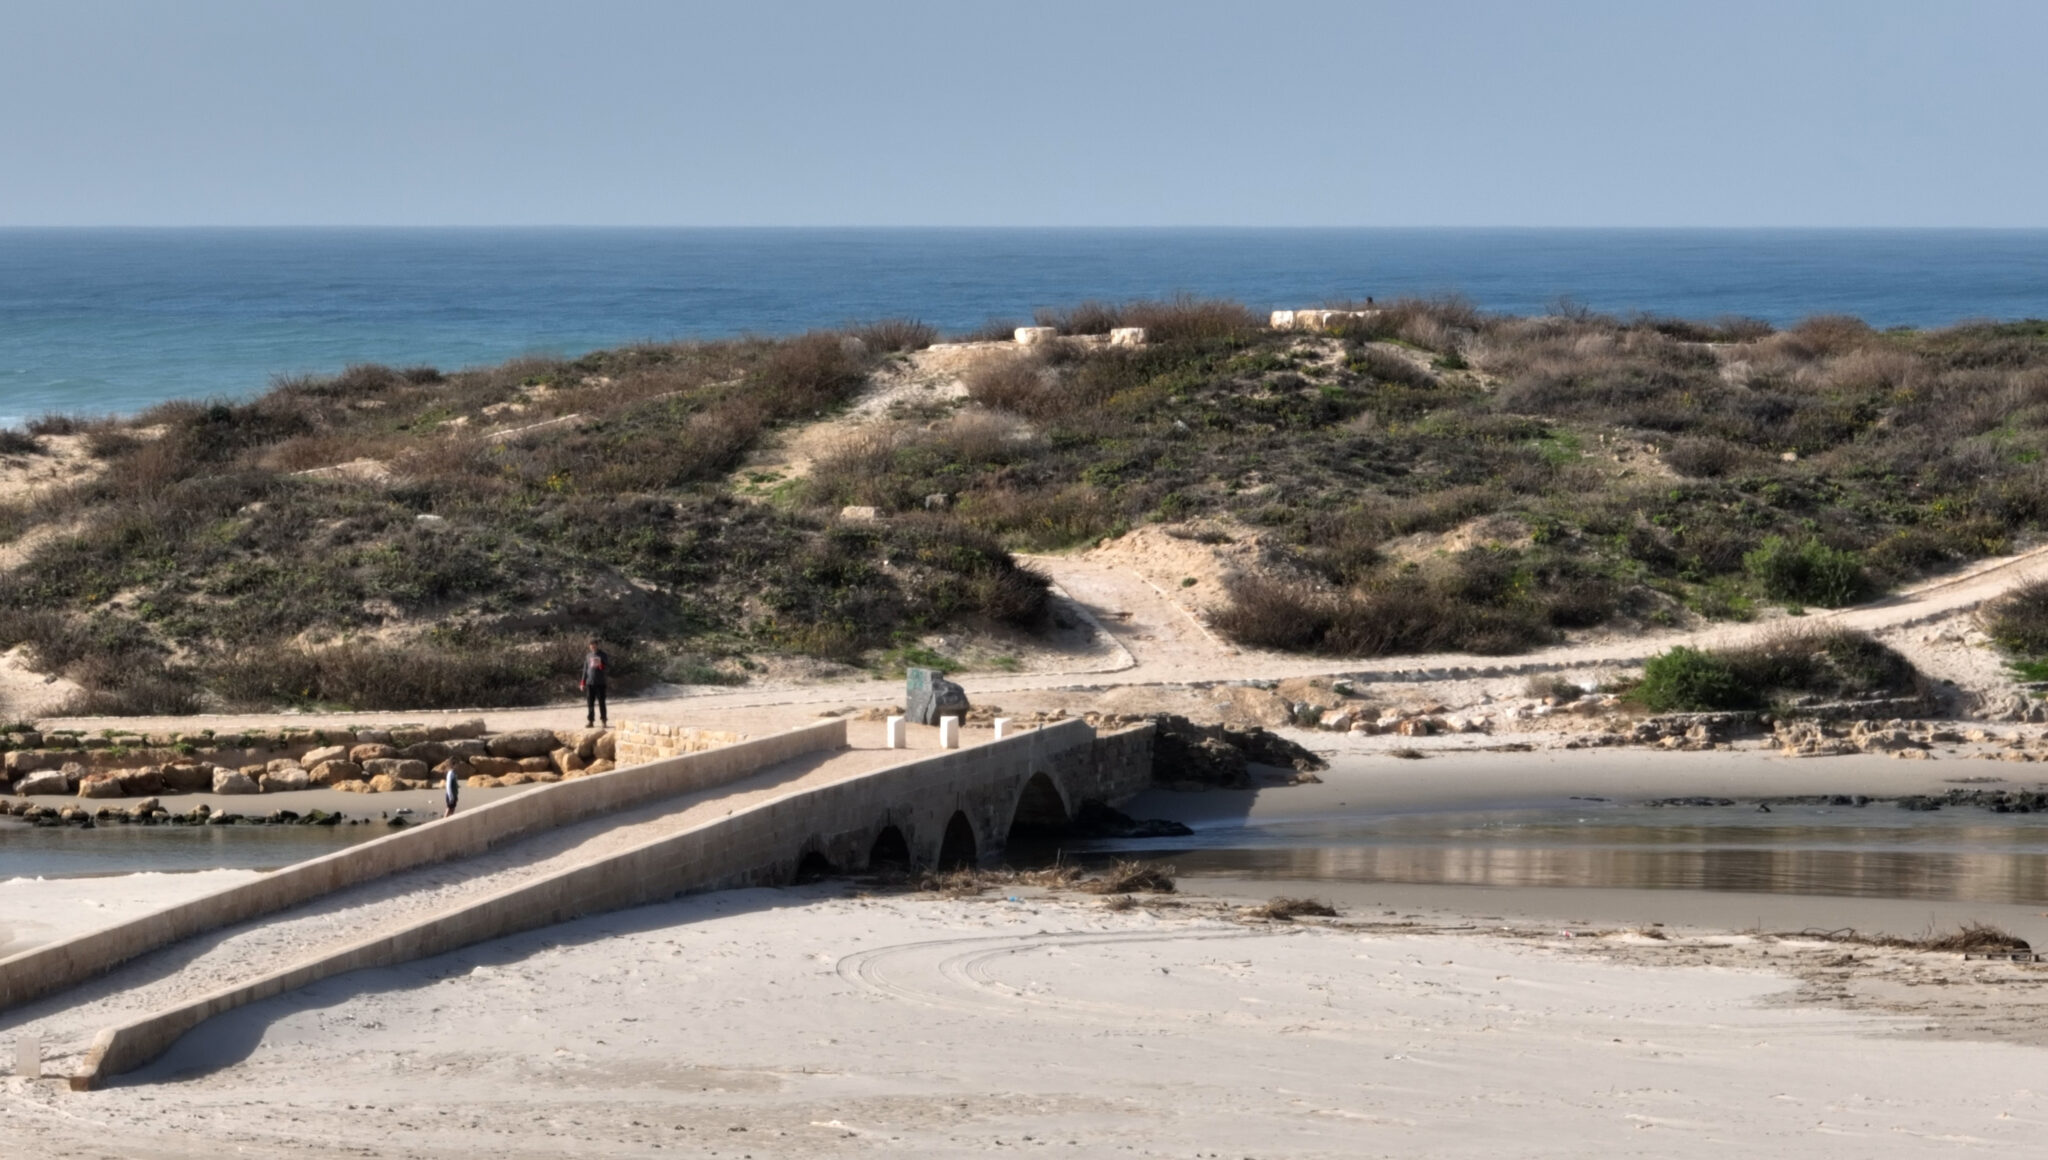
{"x":1002,"y":725}
{"x":928,"y":696}
{"x":100,"y":785}
{"x":427,"y":751}
{"x":233,"y":781}
{"x":287,"y":780}
{"x":536,"y":765}
{"x":494,"y":766}
{"x":1034,"y":335}
{"x":566,"y":762}
{"x":608,"y":746}
{"x":1127,"y":336}
{"x":187,"y":777}
{"x":385,"y":783}
{"x":373,"y":736}
{"x":332,"y":773}
{"x":949,"y":733}
{"x":142,"y":782}
{"x":405,"y":768}
{"x":1281,"y":320}
{"x":315,"y":758}
{"x":23,"y":761}
{"x":372,"y":751}
{"x":893,"y":733}
{"x":465,"y":748}
{"x":522,"y":743}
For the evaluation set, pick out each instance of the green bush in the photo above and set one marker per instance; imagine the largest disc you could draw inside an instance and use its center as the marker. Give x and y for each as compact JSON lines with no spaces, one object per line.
{"x":2018,"y":621}
{"x":1688,"y":680}
{"x":1807,"y":572}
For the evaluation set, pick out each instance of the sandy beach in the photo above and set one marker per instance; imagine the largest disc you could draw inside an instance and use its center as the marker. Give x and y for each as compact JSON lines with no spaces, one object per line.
{"x":850,"y":1018}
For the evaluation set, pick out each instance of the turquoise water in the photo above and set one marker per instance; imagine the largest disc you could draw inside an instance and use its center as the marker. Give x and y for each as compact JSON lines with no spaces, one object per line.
{"x":100,"y":320}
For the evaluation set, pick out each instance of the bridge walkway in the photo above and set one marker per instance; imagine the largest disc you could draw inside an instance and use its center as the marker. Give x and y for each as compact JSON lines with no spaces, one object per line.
{"x":67,"y":1020}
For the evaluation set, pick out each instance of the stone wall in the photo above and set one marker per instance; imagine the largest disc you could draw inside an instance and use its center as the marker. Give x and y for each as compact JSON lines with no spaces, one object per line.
{"x":643,"y":741}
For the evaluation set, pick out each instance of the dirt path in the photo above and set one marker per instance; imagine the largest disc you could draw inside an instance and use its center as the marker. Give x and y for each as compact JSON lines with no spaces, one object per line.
{"x":1153,"y":640}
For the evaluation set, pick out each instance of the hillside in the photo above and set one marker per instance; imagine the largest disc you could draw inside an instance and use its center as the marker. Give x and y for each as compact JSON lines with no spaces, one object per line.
{"x":1427,"y":479}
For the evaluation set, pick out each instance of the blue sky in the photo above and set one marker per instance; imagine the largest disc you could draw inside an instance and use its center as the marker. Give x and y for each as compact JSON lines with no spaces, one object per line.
{"x":436,"y":112}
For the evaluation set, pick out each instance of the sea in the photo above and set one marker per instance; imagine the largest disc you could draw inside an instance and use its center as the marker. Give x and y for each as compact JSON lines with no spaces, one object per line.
{"x":110,"y":321}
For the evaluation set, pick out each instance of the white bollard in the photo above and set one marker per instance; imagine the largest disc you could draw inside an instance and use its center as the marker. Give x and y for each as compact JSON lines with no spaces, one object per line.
{"x":895,"y":733}
{"x":949,"y":733}
{"x":1002,"y":728}
{"x":28,"y":1057}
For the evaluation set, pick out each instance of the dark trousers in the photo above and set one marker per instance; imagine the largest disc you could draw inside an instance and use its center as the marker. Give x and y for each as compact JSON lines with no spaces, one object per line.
{"x":593,"y":705}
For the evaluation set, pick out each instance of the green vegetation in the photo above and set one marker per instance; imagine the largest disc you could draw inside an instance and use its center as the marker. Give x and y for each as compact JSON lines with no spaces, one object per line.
{"x":1829,"y":665}
{"x":201,"y":568}
{"x":1426,"y":478}
{"x":2018,"y":624}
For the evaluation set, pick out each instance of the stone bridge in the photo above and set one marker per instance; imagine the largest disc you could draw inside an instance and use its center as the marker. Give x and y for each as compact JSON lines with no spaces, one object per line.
{"x":760,"y":812}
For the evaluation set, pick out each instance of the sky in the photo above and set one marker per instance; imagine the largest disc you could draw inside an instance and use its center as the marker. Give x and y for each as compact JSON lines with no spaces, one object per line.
{"x":1049,"y":113}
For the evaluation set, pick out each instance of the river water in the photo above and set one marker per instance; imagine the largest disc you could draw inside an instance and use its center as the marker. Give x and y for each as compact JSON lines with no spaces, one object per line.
{"x":1877,"y":851}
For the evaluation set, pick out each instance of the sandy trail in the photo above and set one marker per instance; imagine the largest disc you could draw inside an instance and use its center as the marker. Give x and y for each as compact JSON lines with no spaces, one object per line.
{"x":68,"y":1020}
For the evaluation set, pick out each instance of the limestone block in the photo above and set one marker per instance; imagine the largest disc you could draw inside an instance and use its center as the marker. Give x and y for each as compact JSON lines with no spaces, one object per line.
{"x":408,"y":736}
{"x":894,"y":733}
{"x":859,"y":513}
{"x":404,"y":768}
{"x":566,"y":762}
{"x":227,"y":780}
{"x":315,"y":758}
{"x":287,"y":780}
{"x":29,"y":761}
{"x":466,"y":748}
{"x":372,"y":751}
{"x":385,"y":783}
{"x":494,"y":766}
{"x":141,"y":782}
{"x":522,"y":743}
{"x":332,"y":773}
{"x":607,"y":746}
{"x":100,"y":785}
{"x":1033,"y":335}
{"x":1127,"y":336}
{"x":187,"y":777}
{"x":427,"y":751}
{"x":1281,"y":320}
{"x":480,"y":781}
{"x":468,"y":730}
{"x":374,"y":736}
{"x":601,"y":765}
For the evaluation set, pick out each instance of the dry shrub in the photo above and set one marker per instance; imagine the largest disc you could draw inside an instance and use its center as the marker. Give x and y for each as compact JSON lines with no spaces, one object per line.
{"x":977,"y":436}
{"x":1289,"y":909}
{"x":2018,"y":620}
{"x":1187,"y":319}
{"x":1087,"y":318}
{"x":808,"y":375}
{"x":1008,"y":382}
{"x":896,"y":334}
{"x":1128,"y":876}
{"x":1042,"y":519}
{"x":1119,"y":902}
{"x":17,"y":442}
{"x":1704,"y":458}
{"x":994,"y":330}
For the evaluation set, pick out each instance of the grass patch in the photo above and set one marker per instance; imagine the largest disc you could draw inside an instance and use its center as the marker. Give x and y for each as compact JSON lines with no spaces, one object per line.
{"x":1826,"y":665}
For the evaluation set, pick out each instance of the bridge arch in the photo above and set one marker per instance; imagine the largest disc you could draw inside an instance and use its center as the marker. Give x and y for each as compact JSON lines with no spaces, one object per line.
{"x":958,"y":849}
{"x":1040,"y":807}
{"x":814,"y":867}
{"x":891,"y":850}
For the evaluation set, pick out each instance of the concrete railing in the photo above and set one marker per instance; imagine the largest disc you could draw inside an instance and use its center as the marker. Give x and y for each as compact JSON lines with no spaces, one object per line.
{"x":757,"y":844}
{"x":42,"y":970}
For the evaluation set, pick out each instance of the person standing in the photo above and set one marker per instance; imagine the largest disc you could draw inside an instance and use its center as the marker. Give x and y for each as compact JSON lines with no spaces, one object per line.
{"x":595,"y":664}
{"x":450,"y":790}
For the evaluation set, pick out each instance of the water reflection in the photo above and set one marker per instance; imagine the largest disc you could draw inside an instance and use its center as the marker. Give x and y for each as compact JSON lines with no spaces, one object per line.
{"x":1872,"y":853}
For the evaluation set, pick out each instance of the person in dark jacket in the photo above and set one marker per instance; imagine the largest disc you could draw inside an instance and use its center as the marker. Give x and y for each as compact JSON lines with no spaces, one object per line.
{"x":595,"y":664}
